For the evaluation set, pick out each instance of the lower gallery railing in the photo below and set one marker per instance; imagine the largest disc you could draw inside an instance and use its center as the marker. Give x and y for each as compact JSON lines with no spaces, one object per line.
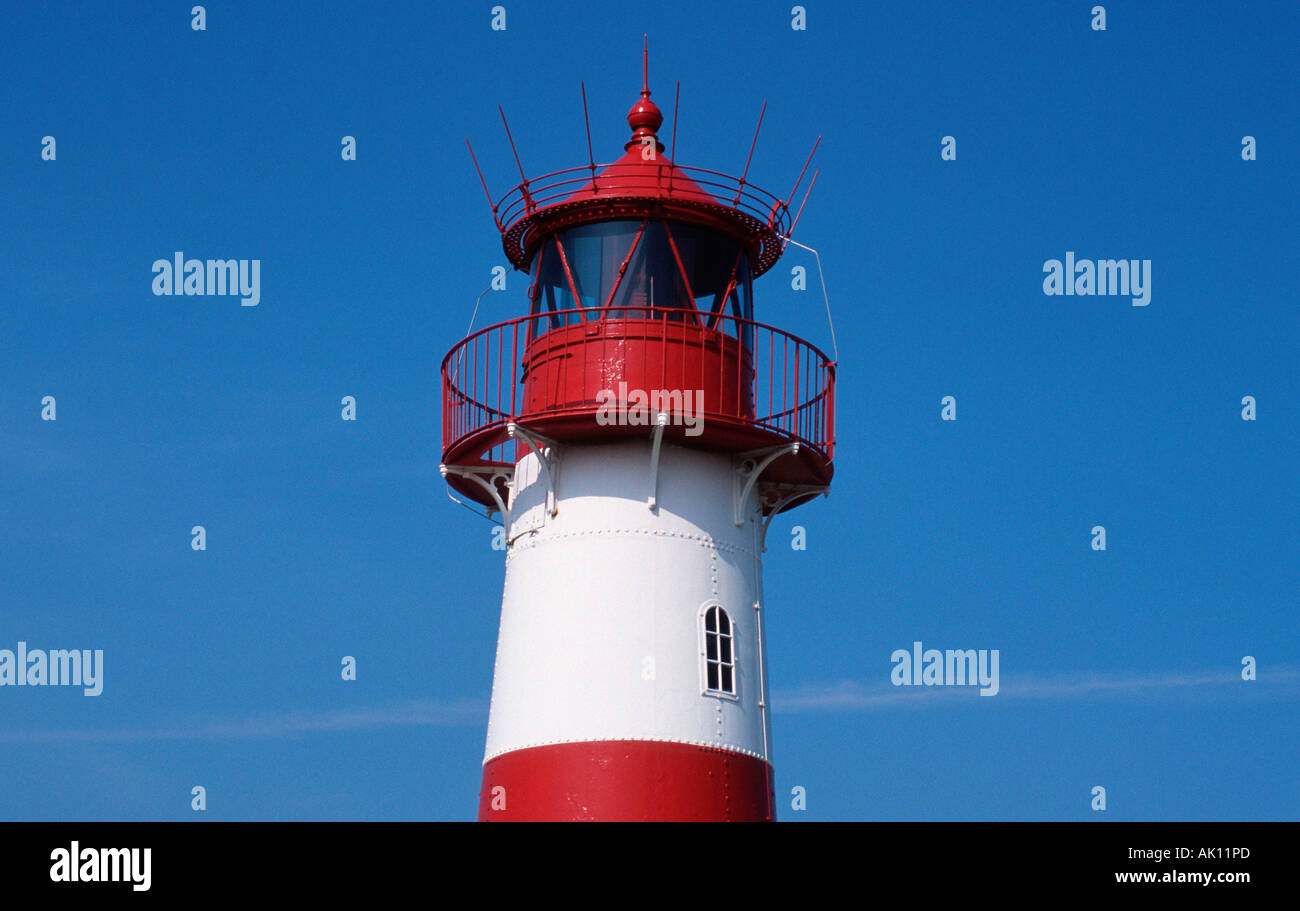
{"x":572,"y":362}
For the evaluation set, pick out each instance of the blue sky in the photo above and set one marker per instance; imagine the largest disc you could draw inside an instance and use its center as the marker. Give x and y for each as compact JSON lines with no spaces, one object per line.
{"x":326,"y":538}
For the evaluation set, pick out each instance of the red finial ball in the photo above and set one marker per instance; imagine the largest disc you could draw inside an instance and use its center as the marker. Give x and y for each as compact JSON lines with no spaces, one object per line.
{"x":645,"y":117}
{"x":645,"y":120}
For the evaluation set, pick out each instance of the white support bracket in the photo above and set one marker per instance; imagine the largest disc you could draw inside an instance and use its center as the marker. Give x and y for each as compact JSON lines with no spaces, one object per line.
{"x":486,"y":478}
{"x":661,"y":421}
{"x":536,"y":443}
{"x":752,"y":465}
{"x":787,"y":493}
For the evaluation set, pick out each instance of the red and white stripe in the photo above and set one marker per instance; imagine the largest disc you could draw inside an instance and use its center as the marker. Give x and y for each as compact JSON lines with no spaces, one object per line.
{"x":599,"y":709}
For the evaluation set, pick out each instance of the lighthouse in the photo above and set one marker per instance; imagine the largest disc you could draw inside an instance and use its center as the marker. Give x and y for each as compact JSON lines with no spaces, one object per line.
{"x":636,"y":429}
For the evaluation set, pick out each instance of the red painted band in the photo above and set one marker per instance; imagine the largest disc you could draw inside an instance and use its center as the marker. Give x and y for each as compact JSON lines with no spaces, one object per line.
{"x":626,"y":781}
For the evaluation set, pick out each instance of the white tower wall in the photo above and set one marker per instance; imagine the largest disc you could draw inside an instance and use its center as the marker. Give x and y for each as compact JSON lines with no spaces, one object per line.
{"x":601,"y":632}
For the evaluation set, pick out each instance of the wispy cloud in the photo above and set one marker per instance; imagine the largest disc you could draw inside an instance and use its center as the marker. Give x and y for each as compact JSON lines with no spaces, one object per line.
{"x":845,"y":696}
{"x":855,"y":696}
{"x":410,"y":714}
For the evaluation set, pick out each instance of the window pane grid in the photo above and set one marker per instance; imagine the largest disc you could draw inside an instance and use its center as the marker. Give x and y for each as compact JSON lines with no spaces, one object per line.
{"x":719,"y":655}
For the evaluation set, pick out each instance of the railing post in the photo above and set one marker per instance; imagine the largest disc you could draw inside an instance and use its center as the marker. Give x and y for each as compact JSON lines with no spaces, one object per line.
{"x":771,"y":371}
{"x":798,"y":349}
{"x":830,"y":411}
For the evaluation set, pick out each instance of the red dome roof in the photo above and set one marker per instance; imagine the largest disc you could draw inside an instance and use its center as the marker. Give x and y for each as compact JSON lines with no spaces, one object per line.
{"x":643,"y":171}
{"x":642,"y":184}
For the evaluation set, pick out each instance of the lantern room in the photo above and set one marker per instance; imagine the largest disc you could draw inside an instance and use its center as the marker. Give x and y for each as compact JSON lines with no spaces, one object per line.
{"x":630,"y":268}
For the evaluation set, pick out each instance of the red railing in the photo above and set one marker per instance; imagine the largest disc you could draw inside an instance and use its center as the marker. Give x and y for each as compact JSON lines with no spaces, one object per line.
{"x":558,"y":186}
{"x":766,"y":384}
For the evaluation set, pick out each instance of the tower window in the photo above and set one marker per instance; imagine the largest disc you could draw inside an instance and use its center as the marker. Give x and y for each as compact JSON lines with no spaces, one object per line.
{"x":719,"y":652}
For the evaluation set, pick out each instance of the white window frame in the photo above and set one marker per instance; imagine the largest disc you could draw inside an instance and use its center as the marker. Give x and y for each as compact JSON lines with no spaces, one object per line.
{"x":705,"y":661}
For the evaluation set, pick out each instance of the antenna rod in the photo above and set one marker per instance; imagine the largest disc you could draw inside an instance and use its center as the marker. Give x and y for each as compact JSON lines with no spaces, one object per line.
{"x":512,"y":145}
{"x":741,"y":189}
{"x":676,"y":96}
{"x":484,"y":182}
{"x":811,"y":184}
{"x":528,"y":200}
{"x":591,"y":157}
{"x":645,"y":65}
{"x":804,"y":171}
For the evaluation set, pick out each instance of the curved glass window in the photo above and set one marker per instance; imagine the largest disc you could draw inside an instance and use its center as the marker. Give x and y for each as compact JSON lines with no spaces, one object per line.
{"x":652,"y":282}
{"x":642,"y":269}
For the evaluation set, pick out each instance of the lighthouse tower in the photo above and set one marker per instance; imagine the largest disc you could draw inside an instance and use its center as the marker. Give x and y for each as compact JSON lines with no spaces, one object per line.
{"x":636,"y":430}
